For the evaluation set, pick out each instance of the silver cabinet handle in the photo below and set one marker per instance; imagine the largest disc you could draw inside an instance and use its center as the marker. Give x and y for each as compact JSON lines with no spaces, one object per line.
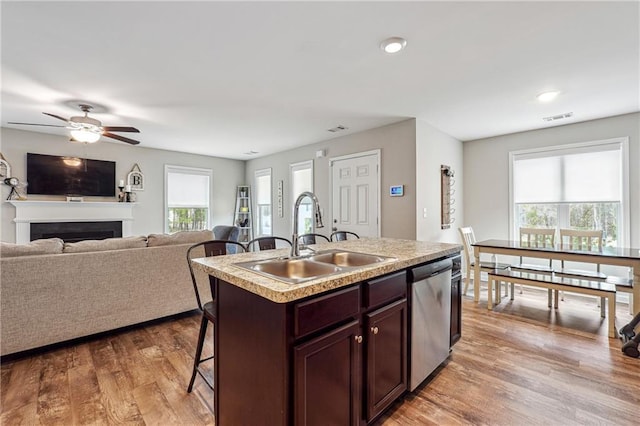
{"x":358,"y":339}
{"x":374,"y":330}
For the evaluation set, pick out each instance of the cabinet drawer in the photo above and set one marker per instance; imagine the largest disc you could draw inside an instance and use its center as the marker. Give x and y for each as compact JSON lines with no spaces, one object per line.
{"x":321,"y":312}
{"x":385,"y":289}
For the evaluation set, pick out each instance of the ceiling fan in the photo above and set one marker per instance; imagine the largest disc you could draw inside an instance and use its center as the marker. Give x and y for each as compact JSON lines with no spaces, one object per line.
{"x":87,"y":129}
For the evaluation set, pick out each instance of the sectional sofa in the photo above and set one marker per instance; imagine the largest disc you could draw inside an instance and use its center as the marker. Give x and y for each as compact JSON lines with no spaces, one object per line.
{"x":51,"y":291}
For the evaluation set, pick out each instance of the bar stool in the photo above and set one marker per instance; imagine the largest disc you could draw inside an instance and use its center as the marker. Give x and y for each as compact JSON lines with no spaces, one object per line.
{"x":211,"y":248}
{"x":342,"y":235}
{"x":307,"y":239}
{"x":266,"y":243}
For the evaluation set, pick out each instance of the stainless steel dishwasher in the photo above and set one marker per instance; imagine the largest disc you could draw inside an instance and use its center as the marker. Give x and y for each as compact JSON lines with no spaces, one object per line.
{"x":430,"y":318}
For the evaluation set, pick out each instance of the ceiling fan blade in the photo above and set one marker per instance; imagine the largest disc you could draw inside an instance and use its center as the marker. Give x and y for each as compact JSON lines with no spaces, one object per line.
{"x":34,"y":124}
{"x":55,"y":116}
{"x":120,"y":129}
{"x":120,"y":138}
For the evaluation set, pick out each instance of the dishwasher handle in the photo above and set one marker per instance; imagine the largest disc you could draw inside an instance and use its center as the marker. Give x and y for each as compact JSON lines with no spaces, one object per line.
{"x":429,"y":270}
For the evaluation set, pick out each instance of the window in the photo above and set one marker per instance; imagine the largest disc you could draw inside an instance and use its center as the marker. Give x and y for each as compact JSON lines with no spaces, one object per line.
{"x":187,"y":198}
{"x":302,"y":180}
{"x":263,"y":201}
{"x":581,"y":186}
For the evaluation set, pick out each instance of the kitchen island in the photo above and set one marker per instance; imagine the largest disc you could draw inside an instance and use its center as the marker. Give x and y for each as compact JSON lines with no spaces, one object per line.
{"x":331,"y":350}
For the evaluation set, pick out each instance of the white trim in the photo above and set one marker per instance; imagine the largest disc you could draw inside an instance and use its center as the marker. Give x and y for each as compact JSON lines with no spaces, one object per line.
{"x":192,"y":171}
{"x":30,"y":211}
{"x":621,"y":142}
{"x":258,"y":174}
{"x":377,"y":153}
{"x":300,"y":165}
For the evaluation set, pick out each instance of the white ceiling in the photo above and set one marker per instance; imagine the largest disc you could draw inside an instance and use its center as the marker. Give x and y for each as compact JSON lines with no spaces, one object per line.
{"x":225,"y":78}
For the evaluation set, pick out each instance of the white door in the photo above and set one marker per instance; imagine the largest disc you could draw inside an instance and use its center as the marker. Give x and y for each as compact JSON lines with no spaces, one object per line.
{"x":355,"y":189}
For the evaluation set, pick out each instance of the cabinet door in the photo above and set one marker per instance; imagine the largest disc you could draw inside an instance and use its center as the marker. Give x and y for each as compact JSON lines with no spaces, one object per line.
{"x":327,"y":378}
{"x":456,"y":309}
{"x":386,"y":362}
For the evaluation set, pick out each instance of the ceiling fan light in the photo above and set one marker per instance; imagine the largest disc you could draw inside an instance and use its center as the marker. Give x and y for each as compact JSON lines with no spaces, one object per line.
{"x":85,"y":135}
{"x":72,"y":161}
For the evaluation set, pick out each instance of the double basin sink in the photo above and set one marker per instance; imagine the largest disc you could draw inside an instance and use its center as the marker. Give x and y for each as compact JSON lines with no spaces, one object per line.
{"x":317,"y":265}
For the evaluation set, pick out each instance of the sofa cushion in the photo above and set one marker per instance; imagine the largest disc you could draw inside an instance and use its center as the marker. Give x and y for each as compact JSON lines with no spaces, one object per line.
{"x":106,"y":244}
{"x":44,"y":246}
{"x":183,"y":237}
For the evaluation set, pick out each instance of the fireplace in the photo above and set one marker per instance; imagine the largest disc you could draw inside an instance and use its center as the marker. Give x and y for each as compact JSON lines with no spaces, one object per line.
{"x":31,"y":212}
{"x":76,"y":231}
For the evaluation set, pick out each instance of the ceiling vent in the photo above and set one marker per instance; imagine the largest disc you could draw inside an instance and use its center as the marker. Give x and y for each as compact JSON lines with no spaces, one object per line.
{"x":558,"y":117}
{"x":338,"y":128}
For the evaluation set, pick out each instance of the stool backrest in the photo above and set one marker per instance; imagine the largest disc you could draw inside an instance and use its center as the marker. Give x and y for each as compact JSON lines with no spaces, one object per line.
{"x":211,"y":248}
{"x":342,"y":235}
{"x":307,"y":239}
{"x":266,"y":243}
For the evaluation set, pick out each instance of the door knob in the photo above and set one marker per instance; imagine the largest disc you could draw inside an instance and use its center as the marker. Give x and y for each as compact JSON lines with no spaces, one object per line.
{"x":358,"y":339}
{"x":374,"y":330}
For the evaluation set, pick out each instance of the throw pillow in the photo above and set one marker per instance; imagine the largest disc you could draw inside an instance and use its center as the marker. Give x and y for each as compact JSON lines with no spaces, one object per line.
{"x":44,"y":246}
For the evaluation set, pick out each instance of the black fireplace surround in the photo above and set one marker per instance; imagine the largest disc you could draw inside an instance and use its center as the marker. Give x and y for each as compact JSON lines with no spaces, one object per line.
{"x":76,"y":231}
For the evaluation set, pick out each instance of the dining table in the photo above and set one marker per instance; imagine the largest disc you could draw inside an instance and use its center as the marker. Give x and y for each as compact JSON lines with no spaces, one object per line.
{"x":615,"y":256}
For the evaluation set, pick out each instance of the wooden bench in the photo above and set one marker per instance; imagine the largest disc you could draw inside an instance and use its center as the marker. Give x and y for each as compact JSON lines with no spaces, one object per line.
{"x":561,"y":283}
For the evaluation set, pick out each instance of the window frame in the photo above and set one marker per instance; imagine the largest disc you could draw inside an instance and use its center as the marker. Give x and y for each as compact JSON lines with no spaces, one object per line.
{"x":293,"y":167}
{"x":260,"y":174}
{"x":622,"y":143}
{"x":171,"y":168}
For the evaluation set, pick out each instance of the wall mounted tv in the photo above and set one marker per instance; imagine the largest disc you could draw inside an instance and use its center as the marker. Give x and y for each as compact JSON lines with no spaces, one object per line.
{"x":54,"y":175}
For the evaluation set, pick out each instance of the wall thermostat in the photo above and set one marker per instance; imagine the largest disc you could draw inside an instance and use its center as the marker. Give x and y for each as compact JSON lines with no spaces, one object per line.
{"x":396,"y":190}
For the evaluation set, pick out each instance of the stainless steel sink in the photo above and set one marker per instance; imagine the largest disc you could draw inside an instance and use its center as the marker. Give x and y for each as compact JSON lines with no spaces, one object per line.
{"x":318,"y":265}
{"x":348,"y":258}
{"x":291,"y":270}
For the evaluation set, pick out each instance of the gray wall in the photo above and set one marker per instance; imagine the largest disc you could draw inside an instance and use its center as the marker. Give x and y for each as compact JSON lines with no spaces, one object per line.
{"x":397,"y":143}
{"x":149,"y":211}
{"x":433,"y":149}
{"x":486,"y":170}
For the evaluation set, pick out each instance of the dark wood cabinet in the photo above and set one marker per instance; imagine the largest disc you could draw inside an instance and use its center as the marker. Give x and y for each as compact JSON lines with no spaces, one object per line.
{"x":386,"y":357}
{"x":456,"y":309}
{"x":336,"y":358}
{"x":327,"y":377}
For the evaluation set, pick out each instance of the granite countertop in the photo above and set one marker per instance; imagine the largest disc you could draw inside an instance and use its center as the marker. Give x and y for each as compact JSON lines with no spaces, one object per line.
{"x":405,"y":253}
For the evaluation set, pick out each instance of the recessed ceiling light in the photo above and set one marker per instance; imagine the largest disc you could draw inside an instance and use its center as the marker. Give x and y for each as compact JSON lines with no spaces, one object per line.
{"x":393,"y":44}
{"x":547,"y":96}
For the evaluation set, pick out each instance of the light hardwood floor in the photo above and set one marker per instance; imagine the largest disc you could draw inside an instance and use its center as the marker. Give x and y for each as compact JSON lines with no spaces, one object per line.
{"x":518,"y":365}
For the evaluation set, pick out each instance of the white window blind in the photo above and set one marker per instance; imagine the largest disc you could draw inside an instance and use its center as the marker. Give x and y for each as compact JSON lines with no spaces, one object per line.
{"x":187,"y":190}
{"x":569,"y":175}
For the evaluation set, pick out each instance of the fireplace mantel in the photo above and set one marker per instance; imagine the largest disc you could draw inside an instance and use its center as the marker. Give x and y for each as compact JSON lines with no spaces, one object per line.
{"x":29,"y":211}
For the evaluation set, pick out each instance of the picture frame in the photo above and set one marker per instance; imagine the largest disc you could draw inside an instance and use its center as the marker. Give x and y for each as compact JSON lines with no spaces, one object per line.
{"x":5,"y":167}
{"x":135,"y":178}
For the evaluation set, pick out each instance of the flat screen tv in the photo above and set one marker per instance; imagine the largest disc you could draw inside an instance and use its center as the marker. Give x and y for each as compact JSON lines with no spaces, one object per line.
{"x":54,"y":175}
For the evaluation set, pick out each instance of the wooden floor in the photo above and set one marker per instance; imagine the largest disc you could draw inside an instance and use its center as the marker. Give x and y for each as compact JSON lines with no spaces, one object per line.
{"x":518,"y":365}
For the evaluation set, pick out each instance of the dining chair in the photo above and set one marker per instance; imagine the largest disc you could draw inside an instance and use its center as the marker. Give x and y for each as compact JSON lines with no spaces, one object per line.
{"x":342,"y":235}
{"x":536,"y":237}
{"x":468,"y":239}
{"x":208,"y":309}
{"x":266,"y":243}
{"x":578,"y":240}
{"x":307,"y":239}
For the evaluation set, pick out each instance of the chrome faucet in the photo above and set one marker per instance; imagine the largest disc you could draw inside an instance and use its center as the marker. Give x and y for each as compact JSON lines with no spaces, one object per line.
{"x":295,"y":248}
